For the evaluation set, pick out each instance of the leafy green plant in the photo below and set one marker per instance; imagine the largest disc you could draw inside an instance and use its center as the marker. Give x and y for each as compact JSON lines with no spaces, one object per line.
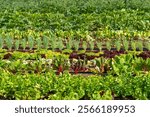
{"x":39,"y":43}
{"x":76,"y":45}
{"x":1,"y":42}
{"x":30,"y":42}
{"x":133,"y":45}
{"x":53,"y":44}
{"x":126,"y":44}
{"x":9,"y":42}
{"x":69,"y":44}
{"x":60,"y":44}
{"x":118,"y":45}
{"x":17,"y":43}
{"x":45,"y":42}
{"x":99,"y":45}
{"x":92,"y":45}
{"x":84,"y":45}
{"x":108,"y":45}
{"x":139,"y":45}
{"x":147,"y":45}
{"x":23,"y":43}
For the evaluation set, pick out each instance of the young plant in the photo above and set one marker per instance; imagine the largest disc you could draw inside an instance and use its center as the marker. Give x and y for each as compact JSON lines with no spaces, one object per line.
{"x":30,"y":42}
{"x":84,"y":45}
{"x":60,"y":44}
{"x":9,"y":42}
{"x":133,"y":46}
{"x":108,"y":45}
{"x":76,"y":45}
{"x":118,"y":45}
{"x":139,"y":45}
{"x":24,"y":42}
{"x":53,"y":44}
{"x":92,"y":45}
{"x":148,"y":45}
{"x":1,"y":42}
{"x":126,"y":45}
{"x":99,"y":45}
{"x":39,"y":43}
{"x":17,"y":42}
{"x":69,"y":44}
{"x":45,"y":42}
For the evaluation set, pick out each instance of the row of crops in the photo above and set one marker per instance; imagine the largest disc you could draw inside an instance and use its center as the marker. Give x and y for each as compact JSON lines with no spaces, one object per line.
{"x":70,"y":49}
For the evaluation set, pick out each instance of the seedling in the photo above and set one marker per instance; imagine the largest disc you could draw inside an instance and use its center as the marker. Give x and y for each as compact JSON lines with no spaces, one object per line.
{"x":84,"y":45}
{"x":45,"y":42}
{"x":99,"y":45}
{"x":24,"y":44}
{"x":108,"y":45}
{"x":1,"y":42}
{"x":118,"y":45}
{"x":39,"y":42}
{"x":30,"y":42}
{"x":9,"y":42}
{"x":17,"y":42}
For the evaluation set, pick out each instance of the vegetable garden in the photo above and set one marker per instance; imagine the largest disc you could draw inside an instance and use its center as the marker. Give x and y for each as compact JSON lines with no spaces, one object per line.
{"x":75,"y":50}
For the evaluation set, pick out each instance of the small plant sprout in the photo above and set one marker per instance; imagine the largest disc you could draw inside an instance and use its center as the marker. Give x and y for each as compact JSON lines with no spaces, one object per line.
{"x":60,"y":44}
{"x":53,"y":44}
{"x":126,"y":45}
{"x":99,"y":45}
{"x":139,"y":45}
{"x":133,"y":45}
{"x":118,"y":45}
{"x":9,"y":42}
{"x":30,"y":42}
{"x":45,"y":42}
{"x":108,"y":45}
{"x":1,"y":42}
{"x":24,"y":44}
{"x":17,"y":42}
{"x":92,"y":45}
{"x":39,"y":43}
{"x":147,"y":45}
{"x":76,"y":45}
{"x":69,"y":44}
{"x":84,"y":45}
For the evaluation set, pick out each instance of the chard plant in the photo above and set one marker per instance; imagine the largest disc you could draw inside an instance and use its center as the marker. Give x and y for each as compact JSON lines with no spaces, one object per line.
{"x":39,"y":43}
{"x":118,"y":45}
{"x":24,"y":42}
{"x":45,"y":42}
{"x":84,"y":45}
{"x":9,"y":42}
{"x":1,"y":42}
{"x":99,"y":45}
{"x":30,"y":42}
{"x":17,"y":42}
{"x":108,"y":45}
{"x":126,"y":45}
